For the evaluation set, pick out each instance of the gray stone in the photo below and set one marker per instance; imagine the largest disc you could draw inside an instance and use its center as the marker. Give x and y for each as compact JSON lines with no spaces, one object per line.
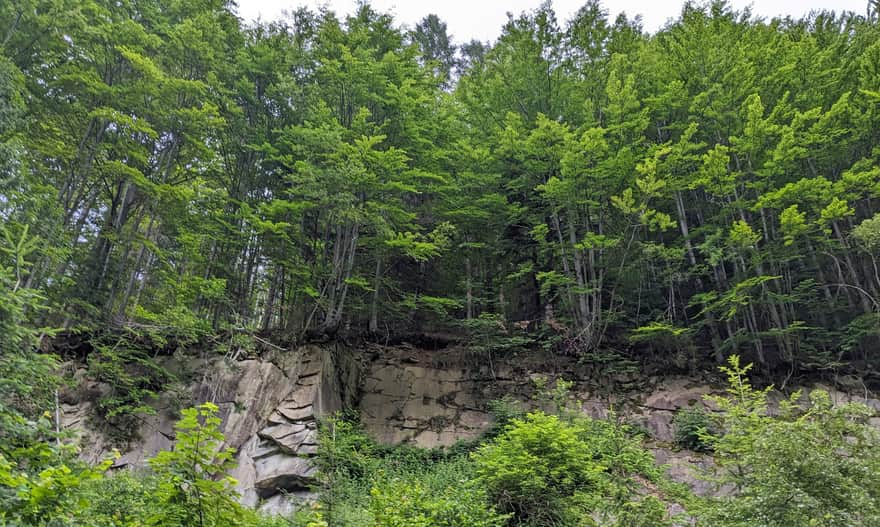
{"x":296,"y":414}
{"x":283,"y":472}
{"x":289,"y":436}
{"x":302,"y":396}
{"x":474,"y":420}
{"x":425,"y":409}
{"x":659,"y":425}
{"x":380,"y":407}
{"x":465,"y":399}
{"x":286,"y":504}
{"x":307,"y":450}
{"x":417,"y":372}
{"x":264,"y":449}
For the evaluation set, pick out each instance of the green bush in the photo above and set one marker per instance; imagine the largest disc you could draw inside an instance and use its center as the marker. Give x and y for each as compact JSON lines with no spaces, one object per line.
{"x":534,"y":467}
{"x":193,"y":485}
{"x":364,"y":484}
{"x":816,"y":466}
{"x":123,"y":362}
{"x":344,"y":449}
{"x":411,"y":504}
{"x":122,"y":499}
{"x":545,"y":470}
{"x":693,"y":429}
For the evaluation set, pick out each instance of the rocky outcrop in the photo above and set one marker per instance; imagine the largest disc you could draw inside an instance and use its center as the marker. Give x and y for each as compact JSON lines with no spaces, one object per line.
{"x":281,"y":450}
{"x":424,"y":405}
{"x":435,"y":398}
{"x":270,"y":407}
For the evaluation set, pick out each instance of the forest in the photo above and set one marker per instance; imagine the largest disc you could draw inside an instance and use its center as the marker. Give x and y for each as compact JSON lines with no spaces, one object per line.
{"x":667,"y":200}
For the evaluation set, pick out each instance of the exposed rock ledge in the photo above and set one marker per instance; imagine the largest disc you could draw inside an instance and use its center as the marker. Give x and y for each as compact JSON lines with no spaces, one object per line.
{"x":270,"y":409}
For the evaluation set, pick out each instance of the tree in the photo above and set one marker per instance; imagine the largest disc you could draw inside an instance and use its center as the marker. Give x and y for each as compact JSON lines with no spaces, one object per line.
{"x":436,"y":47}
{"x":194,"y":488}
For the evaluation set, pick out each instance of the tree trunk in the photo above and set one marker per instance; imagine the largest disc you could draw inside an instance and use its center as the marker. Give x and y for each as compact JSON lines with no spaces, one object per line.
{"x":374,"y":304}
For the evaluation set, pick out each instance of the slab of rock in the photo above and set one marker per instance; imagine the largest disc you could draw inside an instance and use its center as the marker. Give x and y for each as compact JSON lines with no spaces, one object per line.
{"x":474,"y":420}
{"x":675,"y":394}
{"x":446,"y":437}
{"x":292,"y":413}
{"x":264,"y":449}
{"x":287,"y":503}
{"x":391,"y":386}
{"x":380,"y":407}
{"x":659,"y":425}
{"x":425,"y":409}
{"x":302,"y":396}
{"x":283,"y":472}
{"x":290,"y":436}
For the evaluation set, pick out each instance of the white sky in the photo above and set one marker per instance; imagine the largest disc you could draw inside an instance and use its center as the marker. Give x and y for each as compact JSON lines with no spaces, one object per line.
{"x":483,"y":19}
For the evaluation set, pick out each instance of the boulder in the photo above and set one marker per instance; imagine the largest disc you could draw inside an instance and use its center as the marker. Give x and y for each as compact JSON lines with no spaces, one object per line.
{"x":283,"y":472}
{"x":290,"y":436}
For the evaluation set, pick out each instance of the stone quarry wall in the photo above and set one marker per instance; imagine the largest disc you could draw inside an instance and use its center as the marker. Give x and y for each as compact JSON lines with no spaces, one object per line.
{"x":269,"y":409}
{"x":430,"y":398}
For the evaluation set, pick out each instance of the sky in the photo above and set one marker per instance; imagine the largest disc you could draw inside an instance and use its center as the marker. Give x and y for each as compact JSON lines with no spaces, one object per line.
{"x":483,"y":19}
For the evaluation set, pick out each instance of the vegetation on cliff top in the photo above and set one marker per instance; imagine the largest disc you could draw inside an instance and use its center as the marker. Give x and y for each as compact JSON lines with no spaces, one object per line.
{"x":680,"y":196}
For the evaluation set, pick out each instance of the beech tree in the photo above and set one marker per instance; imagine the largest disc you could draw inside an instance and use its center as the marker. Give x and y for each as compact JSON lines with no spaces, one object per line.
{"x":713,"y":184}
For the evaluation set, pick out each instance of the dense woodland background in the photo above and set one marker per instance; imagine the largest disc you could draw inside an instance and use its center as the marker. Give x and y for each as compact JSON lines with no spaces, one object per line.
{"x":706,"y":190}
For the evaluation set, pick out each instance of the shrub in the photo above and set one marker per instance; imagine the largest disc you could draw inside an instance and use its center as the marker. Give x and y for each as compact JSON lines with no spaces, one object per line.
{"x":123,"y":499}
{"x":123,"y":361}
{"x":693,"y":427}
{"x":816,"y":466}
{"x":50,"y":495}
{"x":546,"y":470}
{"x":534,"y":466}
{"x":194,"y":488}
{"x":410,"y":504}
{"x":344,"y":450}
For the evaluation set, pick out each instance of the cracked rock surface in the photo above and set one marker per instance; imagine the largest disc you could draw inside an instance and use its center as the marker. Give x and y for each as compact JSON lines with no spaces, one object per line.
{"x":270,"y":408}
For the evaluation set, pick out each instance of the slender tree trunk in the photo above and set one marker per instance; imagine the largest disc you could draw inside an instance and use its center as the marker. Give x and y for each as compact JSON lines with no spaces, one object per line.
{"x":268,"y":310}
{"x":683,"y":226}
{"x":469,"y":295}
{"x":134,"y":272}
{"x":374,"y":304}
{"x":565,"y":267}
{"x":579,"y":274}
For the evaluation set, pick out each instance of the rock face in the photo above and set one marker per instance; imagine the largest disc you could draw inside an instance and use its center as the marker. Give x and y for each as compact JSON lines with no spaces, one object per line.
{"x":281,"y":450}
{"x":270,"y":408}
{"x":435,"y":398}
{"x":425,"y":405}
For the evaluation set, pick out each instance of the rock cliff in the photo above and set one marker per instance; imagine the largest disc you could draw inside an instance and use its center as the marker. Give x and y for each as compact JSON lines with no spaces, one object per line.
{"x":270,"y":407}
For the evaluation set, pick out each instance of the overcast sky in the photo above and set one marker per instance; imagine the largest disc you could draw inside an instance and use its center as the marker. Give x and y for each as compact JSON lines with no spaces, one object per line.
{"x":482,"y":19}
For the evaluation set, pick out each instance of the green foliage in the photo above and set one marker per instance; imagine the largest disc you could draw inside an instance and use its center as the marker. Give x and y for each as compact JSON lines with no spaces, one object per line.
{"x":401,"y":504}
{"x":488,"y":334}
{"x":813,"y":464}
{"x":193,"y":485}
{"x":534,"y":467}
{"x":577,"y":185}
{"x":551,"y":471}
{"x":120,"y":499}
{"x":126,"y":363}
{"x":365,"y":484}
{"x":692,"y":427}
{"x":46,"y":497}
{"x":177,"y":172}
{"x":344,"y":450}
